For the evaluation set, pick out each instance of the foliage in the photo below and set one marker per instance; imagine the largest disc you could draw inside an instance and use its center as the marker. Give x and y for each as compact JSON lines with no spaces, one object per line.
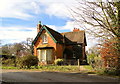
{"x":8,"y":62}
{"x":108,"y":71}
{"x":27,"y":61}
{"x":111,"y":71}
{"x":90,"y":58}
{"x":18,"y":49}
{"x":59,"y":62}
{"x":95,"y":61}
{"x":94,"y":58}
{"x":110,"y":56}
{"x":5,"y":49}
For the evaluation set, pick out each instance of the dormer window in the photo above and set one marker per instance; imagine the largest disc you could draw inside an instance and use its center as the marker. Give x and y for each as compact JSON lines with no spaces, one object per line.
{"x":44,"y":38}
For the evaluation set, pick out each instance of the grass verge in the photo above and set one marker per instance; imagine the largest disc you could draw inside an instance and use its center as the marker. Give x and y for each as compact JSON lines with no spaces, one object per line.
{"x":49,"y":68}
{"x":88,"y":67}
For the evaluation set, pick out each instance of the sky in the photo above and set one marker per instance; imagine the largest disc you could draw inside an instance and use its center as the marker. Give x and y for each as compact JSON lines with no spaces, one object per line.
{"x":19,"y":18}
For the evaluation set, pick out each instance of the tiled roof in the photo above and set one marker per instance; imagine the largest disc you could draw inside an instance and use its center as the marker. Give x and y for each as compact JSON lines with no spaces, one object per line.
{"x":78,"y":36}
{"x":57,"y":36}
{"x":66,"y":37}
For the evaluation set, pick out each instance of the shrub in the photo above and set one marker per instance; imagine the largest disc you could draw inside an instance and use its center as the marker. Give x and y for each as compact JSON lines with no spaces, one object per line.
{"x":59,"y":62}
{"x":111,"y":71}
{"x":8,"y":62}
{"x":95,"y":61}
{"x":27,"y":61}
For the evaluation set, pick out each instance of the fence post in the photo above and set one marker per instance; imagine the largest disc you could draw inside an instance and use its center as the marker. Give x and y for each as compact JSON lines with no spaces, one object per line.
{"x":78,"y":64}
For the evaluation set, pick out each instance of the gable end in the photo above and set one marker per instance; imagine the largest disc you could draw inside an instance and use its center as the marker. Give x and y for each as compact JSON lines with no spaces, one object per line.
{"x":40,"y":32}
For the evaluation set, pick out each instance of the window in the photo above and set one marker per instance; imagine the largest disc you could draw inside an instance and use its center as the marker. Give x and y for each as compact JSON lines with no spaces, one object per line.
{"x":45,"y":55}
{"x":38,"y":53}
{"x":44,"y":38}
{"x":49,"y":54}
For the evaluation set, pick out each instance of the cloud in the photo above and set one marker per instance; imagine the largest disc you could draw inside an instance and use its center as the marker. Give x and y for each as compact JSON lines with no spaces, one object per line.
{"x":16,"y":34}
{"x":70,"y":25}
{"x":21,"y":9}
{"x":59,"y":8}
{"x":25,"y":9}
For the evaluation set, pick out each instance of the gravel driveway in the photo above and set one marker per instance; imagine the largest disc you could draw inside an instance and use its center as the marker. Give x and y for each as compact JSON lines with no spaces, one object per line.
{"x":37,"y":76}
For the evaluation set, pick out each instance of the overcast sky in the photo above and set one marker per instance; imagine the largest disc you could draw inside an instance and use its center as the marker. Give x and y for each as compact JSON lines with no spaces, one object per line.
{"x":18,"y":18}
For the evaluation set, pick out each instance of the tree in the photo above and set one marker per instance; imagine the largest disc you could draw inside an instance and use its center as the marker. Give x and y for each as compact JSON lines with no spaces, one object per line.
{"x":104,"y":19}
{"x":29,"y":45}
{"x":18,"y":49}
{"x":6,"y":49}
{"x":109,"y":55}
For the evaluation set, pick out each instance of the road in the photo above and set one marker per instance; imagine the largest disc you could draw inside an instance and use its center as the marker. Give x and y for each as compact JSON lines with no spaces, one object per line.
{"x":37,"y":76}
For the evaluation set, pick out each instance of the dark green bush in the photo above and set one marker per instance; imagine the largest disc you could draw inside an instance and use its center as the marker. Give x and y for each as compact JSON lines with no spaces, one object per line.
{"x":27,"y":61}
{"x":8,"y":62}
{"x":59,"y":62}
{"x":111,"y":71}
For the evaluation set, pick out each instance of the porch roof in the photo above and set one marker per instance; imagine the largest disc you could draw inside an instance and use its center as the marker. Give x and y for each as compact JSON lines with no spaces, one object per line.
{"x":45,"y":46}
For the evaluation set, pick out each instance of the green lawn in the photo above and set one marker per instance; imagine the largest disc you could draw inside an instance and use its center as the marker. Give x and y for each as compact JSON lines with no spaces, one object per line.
{"x":49,"y":68}
{"x":88,"y":67}
{"x":8,"y":67}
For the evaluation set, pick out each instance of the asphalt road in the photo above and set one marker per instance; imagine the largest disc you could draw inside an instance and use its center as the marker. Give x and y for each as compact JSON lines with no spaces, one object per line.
{"x":37,"y":76}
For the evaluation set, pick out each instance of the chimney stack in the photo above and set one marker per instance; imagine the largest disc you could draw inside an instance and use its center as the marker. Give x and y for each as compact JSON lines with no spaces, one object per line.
{"x":39,"y":26}
{"x":75,"y":30}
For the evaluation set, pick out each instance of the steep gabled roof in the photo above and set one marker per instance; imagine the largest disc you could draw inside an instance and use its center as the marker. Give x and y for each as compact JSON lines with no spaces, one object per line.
{"x":66,"y":37}
{"x":78,"y":36}
{"x":56,"y":36}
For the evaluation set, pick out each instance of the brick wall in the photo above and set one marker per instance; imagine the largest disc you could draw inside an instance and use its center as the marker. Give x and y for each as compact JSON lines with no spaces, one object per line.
{"x":59,"y":50}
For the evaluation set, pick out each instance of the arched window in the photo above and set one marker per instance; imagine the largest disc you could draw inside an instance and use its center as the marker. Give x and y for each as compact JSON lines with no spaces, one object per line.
{"x":44,"y":38}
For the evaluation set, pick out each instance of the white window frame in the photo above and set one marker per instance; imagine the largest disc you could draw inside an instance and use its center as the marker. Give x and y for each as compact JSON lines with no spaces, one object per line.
{"x":44,"y":38}
{"x":45,"y":55}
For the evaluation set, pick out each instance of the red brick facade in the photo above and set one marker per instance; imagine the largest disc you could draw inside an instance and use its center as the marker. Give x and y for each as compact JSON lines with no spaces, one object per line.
{"x":57,"y":48}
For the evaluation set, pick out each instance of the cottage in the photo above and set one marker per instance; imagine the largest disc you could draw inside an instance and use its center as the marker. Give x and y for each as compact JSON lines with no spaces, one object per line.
{"x":50,"y":45}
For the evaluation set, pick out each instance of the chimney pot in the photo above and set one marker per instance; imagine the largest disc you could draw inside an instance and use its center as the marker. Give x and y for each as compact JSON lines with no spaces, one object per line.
{"x":39,"y":26}
{"x":75,"y":29}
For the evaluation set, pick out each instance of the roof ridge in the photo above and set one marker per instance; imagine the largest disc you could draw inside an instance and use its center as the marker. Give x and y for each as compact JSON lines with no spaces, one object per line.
{"x":51,"y":29}
{"x":72,"y":32}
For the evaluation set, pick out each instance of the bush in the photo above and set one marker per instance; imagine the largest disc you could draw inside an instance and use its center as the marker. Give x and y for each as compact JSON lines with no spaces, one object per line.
{"x":59,"y":62}
{"x":95,"y":61}
{"x":27,"y":61}
{"x":111,"y":71}
{"x":8,"y":62}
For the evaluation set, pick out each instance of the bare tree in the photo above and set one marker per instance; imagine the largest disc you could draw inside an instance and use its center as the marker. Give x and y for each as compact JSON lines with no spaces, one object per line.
{"x":18,"y":49}
{"x":101,"y":19}
{"x":104,"y":18}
